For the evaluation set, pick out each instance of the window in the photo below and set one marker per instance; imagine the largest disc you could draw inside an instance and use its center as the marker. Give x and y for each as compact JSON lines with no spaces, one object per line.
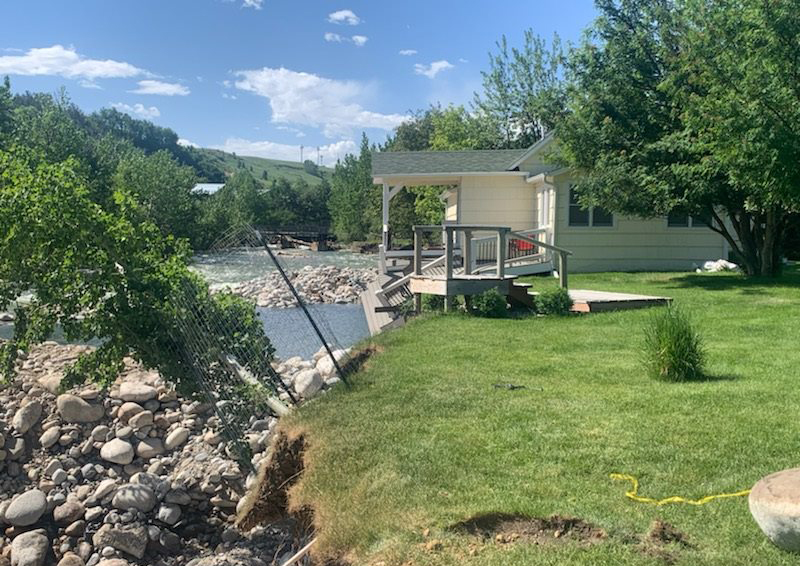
{"x":592,"y":216}
{"x":677,"y":219}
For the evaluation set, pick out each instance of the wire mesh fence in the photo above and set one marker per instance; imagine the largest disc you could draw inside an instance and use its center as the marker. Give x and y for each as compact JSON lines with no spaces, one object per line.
{"x":247,"y":370}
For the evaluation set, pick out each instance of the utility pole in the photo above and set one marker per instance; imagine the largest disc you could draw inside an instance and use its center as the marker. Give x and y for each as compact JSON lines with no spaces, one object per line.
{"x":317,"y":155}
{"x":301,"y":154}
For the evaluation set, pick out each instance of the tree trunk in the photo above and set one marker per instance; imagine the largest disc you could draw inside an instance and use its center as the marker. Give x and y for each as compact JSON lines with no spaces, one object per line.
{"x":758,"y":240}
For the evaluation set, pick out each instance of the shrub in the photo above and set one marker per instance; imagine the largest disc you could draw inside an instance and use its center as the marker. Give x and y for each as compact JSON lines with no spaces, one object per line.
{"x":490,"y":304}
{"x":556,"y":302}
{"x":432,"y":303}
{"x":673,"y":350}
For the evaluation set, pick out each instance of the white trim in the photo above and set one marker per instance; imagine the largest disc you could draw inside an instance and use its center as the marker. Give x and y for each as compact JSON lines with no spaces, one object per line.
{"x":546,"y":178}
{"x":548,"y":137}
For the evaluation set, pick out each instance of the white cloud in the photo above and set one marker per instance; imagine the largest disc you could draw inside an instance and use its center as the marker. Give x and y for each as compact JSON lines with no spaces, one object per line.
{"x":357,"y":40}
{"x":334,"y":37}
{"x":433,"y":69}
{"x":186,"y":143}
{"x":297,"y":132}
{"x":272,"y":150}
{"x":89,"y":84}
{"x":137,"y":109}
{"x":407,"y":52}
{"x":344,"y":17}
{"x":66,"y":62}
{"x":256,"y":4}
{"x":462,"y":60}
{"x":229,"y":96}
{"x":310,"y":100}
{"x":360,"y":40}
{"x":150,"y":86}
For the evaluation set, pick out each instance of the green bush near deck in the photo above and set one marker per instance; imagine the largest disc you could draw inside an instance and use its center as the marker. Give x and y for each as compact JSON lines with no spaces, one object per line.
{"x":555,"y":301}
{"x":490,"y":304}
{"x":673,"y":350}
{"x":432,"y":303}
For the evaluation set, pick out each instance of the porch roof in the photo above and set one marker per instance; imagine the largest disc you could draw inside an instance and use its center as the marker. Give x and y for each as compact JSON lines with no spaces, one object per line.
{"x":444,"y":163}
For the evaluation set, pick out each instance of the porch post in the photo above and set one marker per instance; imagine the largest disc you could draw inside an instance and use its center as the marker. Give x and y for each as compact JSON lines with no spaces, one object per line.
{"x":385,"y":217}
{"x":501,"y":253}
{"x":466,"y":251}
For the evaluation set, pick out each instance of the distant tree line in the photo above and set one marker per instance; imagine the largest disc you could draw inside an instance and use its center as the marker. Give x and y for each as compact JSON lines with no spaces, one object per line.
{"x":116,"y":151}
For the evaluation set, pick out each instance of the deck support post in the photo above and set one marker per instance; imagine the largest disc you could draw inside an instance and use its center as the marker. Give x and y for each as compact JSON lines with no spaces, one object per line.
{"x":501,"y":252}
{"x":562,"y":270}
{"x":417,"y":266}
{"x":448,"y":252}
{"x":466,"y":252}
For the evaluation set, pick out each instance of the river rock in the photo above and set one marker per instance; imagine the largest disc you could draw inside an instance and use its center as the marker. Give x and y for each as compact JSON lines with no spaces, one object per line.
{"x":308,"y":383}
{"x":169,"y":514}
{"x":775,"y":505}
{"x":26,"y":508}
{"x":50,"y":437}
{"x":141,"y":419}
{"x":128,"y":410}
{"x":29,"y":549}
{"x":176,"y":438}
{"x":27,"y":416}
{"x":149,"y":448}
{"x":114,"y":562}
{"x":68,"y":512}
{"x":132,"y":540}
{"x":71,"y":559}
{"x":134,"y":496}
{"x":117,"y":451}
{"x":73,"y":409}
{"x":136,"y":392}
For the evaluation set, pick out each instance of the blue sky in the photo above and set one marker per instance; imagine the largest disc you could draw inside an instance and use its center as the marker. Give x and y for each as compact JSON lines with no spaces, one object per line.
{"x":262,"y":77}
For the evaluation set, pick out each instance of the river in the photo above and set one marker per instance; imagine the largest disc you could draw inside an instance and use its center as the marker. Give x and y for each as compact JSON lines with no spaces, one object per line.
{"x":288,"y":329}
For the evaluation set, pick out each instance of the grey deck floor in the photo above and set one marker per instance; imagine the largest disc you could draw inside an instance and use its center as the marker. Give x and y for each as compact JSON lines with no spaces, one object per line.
{"x":597,"y":301}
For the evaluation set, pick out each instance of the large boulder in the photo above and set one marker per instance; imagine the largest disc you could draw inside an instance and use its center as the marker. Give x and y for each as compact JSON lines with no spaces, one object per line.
{"x":134,"y":496}
{"x":136,"y":392}
{"x":26,"y":508}
{"x":29,"y":549}
{"x":117,"y":451}
{"x":27,"y":416}
{"x":308,"y":383}
{"x":73,"y":409}
{"x":132,"y":540}
{"x":775,"y":505}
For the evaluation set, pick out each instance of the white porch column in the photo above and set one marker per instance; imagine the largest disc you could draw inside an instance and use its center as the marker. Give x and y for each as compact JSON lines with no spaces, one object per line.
{"x":385,"y":217}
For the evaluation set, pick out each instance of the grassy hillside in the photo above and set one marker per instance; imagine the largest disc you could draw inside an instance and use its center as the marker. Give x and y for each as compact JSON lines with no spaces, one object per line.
{"x":276,"y":169}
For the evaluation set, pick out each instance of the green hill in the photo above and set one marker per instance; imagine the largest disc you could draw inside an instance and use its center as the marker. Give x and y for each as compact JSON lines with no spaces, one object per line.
{"x":275,"y":168}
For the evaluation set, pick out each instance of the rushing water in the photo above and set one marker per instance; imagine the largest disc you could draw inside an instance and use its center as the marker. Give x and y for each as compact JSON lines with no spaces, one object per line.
{"x":289,"y":330}
{"x":238,"y":266}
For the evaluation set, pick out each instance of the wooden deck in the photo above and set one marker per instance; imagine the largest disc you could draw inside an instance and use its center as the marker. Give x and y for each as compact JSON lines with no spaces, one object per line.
{"x":601,"y":301}
{"x":377,"y":322}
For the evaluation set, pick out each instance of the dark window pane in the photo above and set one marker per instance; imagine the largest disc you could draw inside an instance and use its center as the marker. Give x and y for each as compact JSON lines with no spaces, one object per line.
{"x":698,"y":223}
{"x":573,"y":196}
{"x":578,"y":216}
{"x":678,"y":220}
{"x":602,"y":217}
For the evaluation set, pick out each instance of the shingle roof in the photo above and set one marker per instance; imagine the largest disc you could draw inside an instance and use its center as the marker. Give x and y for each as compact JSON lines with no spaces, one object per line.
{"x":387,"y":163}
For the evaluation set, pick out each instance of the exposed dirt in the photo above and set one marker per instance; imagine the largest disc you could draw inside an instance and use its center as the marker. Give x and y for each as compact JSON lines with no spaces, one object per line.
{"x":506,"y":528}
{"x":358,"y":359}
{"x":268,"y":501}
{"x":664,"y":541}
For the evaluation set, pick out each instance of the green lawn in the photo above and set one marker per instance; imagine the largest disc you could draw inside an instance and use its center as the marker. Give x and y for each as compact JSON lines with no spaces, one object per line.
{"x":275,"y":168}
{"x":423,"y":440}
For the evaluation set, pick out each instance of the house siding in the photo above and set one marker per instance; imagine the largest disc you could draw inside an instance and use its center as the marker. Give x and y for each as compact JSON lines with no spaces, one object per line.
{"x":632,"y":244}
{"x":502,"y":201}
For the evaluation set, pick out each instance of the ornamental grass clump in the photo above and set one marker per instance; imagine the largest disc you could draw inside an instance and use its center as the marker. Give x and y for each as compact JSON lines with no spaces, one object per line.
{"x":673,"y":349}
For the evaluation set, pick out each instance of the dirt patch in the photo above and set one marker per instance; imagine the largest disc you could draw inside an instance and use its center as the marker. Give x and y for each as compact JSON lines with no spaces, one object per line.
{"x":664,"y":542}
{"x":359,"y":359}
{"x":506,"y":528}
{"x":268,"y":500}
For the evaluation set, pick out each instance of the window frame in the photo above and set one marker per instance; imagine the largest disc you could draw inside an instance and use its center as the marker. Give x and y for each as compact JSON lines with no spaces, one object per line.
{"x":690,"y":225}
{"x":590,"y":214}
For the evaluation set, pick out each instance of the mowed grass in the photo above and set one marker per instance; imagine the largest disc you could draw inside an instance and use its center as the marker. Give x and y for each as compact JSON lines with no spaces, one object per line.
{"x":423,"y":440}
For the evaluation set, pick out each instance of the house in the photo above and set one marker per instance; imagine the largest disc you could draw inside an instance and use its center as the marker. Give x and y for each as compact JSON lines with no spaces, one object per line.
{"x":520,"y":190}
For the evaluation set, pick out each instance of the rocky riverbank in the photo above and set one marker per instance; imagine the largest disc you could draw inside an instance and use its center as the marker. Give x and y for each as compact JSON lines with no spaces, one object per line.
{"x":322,"y":284}
{"x":132,"y":475}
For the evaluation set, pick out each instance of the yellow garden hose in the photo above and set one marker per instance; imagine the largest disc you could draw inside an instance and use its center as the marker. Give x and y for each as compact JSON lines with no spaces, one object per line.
{"x":634,"y":495}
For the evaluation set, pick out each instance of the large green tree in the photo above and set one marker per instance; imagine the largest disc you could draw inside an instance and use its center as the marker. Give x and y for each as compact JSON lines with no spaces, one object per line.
{"x":107,"y":273}
{"x":644,"y":128}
